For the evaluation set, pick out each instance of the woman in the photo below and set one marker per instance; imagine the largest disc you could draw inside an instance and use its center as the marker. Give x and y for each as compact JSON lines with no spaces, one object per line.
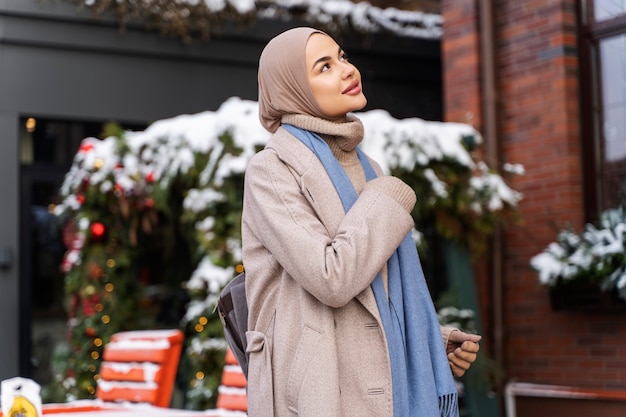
{"x":328,"y":257}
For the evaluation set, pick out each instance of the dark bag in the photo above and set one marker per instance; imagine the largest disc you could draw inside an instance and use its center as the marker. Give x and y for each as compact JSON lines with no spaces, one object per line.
{"x":233,"y":311}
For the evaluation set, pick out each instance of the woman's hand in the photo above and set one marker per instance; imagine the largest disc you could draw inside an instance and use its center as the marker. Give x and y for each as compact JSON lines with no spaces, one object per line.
{"x":462,"y":349}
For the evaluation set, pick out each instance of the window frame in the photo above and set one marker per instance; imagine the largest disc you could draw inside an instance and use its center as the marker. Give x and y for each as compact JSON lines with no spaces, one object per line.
{"x":591,"y":33}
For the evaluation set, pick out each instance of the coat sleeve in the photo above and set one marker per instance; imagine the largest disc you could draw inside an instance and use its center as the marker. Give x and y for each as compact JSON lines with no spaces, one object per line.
{"x":445,"y":334}
{"x":333,"y":267}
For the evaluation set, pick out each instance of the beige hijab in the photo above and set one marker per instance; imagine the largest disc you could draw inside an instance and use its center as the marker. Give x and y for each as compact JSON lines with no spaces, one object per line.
{"x":283,"y":82}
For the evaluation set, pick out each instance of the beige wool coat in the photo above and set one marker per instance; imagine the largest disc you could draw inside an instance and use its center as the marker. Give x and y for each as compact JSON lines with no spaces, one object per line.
{"x":316,"y":343}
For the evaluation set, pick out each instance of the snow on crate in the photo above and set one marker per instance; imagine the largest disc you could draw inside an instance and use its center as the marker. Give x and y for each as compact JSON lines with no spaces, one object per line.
{"x":141,"y":344}
{"x":144,"y":350}
{"x":146,"y":335}
{"x":135,"y":386}
{"x":132,"y":371}
{"x":140,"y":366}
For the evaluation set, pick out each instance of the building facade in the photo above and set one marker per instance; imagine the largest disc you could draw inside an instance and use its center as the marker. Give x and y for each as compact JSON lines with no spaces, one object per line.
{"x":544,"y":81}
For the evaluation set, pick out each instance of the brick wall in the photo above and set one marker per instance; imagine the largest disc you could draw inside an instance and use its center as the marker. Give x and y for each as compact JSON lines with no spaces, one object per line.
{"x":539,"y":127}
{"x":462,"y":103}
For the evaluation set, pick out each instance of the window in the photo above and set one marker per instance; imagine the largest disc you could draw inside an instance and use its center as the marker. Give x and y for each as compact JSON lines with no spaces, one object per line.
{"x":608,"y":9}
{"x":603,"y":67}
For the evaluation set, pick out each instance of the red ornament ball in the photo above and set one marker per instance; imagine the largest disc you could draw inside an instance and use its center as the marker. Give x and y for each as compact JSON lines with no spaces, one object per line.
{"x":97,"y":230}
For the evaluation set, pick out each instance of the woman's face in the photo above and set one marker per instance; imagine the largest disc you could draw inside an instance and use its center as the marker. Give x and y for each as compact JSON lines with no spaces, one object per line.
{"x":335,"y":82}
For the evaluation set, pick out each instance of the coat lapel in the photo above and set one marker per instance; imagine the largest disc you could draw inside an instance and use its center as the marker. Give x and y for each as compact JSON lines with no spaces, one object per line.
{"x":314,"y":181}
{"x":315,"y":185}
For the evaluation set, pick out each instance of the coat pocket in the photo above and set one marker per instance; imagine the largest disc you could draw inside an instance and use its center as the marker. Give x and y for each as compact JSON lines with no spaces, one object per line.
{"x":260,"y":389}
{"x":302,"y":360}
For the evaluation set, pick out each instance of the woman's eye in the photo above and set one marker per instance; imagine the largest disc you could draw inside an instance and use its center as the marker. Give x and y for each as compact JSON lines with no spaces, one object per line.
{"x":325,"y":67}
{"x":344,"y":57}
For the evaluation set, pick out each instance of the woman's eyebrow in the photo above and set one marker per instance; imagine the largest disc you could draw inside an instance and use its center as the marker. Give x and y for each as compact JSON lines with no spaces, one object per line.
{"x":325,"y":58}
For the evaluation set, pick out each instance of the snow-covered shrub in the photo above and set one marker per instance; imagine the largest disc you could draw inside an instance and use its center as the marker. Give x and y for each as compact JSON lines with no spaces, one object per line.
{"x":596,"y":255}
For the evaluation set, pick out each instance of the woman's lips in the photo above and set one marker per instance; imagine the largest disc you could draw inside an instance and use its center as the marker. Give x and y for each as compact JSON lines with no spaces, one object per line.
{"x":353,"y":89}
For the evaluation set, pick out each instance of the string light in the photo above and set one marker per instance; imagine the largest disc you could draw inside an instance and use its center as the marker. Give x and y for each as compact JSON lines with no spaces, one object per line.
{"x":90,"y":290}
{"x":31,"y":124}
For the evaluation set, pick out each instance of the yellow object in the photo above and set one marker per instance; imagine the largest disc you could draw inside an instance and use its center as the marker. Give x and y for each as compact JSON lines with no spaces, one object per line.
{"x":22,"y":408}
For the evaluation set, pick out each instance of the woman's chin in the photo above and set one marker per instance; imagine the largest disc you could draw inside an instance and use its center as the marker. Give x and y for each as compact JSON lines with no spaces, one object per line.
{"x":364,"y":103}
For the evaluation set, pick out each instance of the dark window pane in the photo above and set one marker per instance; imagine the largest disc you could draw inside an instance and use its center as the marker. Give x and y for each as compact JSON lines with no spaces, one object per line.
{"x":613,"y":149}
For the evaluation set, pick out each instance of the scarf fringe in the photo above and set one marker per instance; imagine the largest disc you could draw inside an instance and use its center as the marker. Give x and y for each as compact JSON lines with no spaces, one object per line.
{"x":449,"y":405}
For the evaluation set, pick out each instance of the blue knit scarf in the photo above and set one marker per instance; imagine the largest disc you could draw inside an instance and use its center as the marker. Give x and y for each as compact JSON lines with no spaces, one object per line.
{"x":422,"y":382}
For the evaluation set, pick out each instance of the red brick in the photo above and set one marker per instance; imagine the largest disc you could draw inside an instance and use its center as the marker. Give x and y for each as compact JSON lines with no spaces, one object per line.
{"x":537,"y":88}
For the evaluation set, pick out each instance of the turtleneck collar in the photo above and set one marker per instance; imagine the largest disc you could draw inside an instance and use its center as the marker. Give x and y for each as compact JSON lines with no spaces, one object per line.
{"x":344,"y":136}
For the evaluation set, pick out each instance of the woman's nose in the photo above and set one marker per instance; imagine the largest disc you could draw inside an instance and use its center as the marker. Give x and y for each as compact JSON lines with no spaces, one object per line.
{"x":348,"y":70}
